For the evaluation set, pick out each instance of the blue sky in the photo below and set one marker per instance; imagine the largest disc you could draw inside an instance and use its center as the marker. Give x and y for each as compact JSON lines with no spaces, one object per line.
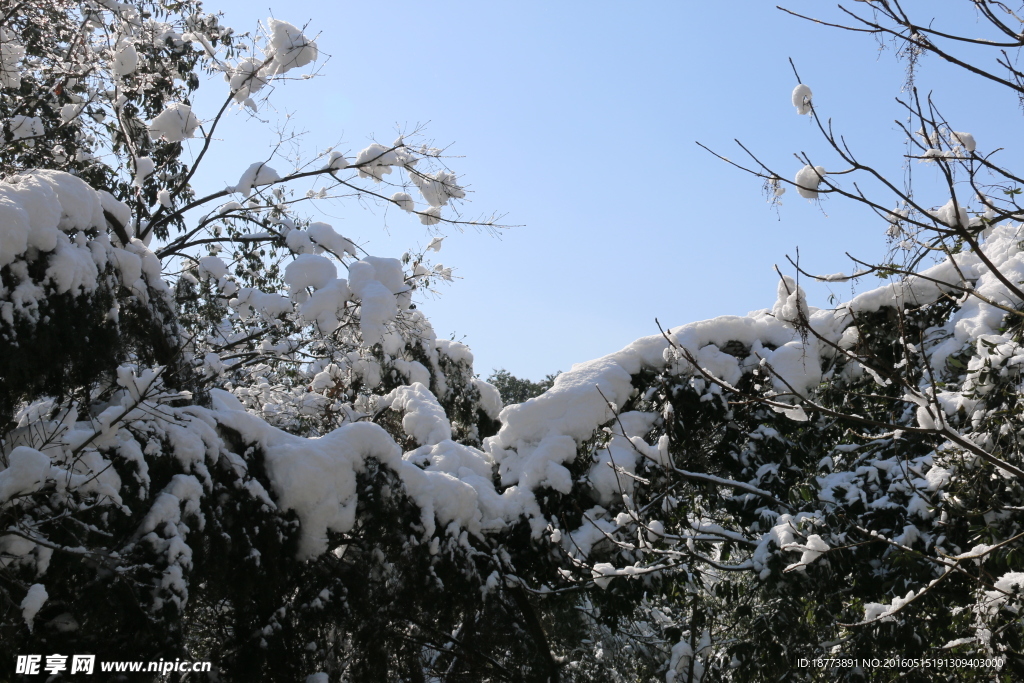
{"x":578,"y":121}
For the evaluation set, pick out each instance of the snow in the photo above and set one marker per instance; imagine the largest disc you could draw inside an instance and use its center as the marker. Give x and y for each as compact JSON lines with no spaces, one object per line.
{"x":309,"y":270}
{"x":126,"y":61}
{"x":807,"y":180}
{"x":791,"y":302}
{"x":81,"y":208}
{"x":573,"y":437}
{"x":874,"y":610}
{"x":337,"y":160}
{"x":11,"y":52}
{"x":36,"y":206}
{"x":256,"y":175}
{"x":424,"y":419}
{"x":26,"y":127}
{"x":317,"y":477}
{"x":802,"y":99}
{"x":950,"y":215}
{"x":14,"y":237}
{"x":812,"y":550}
{"x":212,"y":266}
{"x":174,"y":124}
{"x":490,"y":398}
{"x":32,"y":603}
{"x":575,"y":405}
{"x":27,"y":472}
{"x":532,"y":467}
{"x":431,"y":215}
{"x":298,"y":242}
{"x":437,"y":188}
{"x":388,"y":271}
{"x":965,"y":140}
{"x":680,"y":660}
{"x":144,"y":166}
{"x":376,"y":160}
{"x":604,"y":572}
{"x":375,"y":282}
{"x":377,"y":306}
{"x":404,"y":201}
{"x":70,"y":112}
{"x":325,"y":306}
{"x":325,"y":236}
{"x":72,"y":267}
{"x":246,"y":79}
{"x":1009,"y":584}
{"x":289,"y":48}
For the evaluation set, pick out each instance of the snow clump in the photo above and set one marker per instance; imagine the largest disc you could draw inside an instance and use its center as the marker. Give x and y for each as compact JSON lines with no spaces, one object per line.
{"x":802,"y":99}
{"x":807,"y":180}
{"x":33,"y":602}
{"x":290,"y":48}
{"x":174,"y":124}
{"x":11,"y":52}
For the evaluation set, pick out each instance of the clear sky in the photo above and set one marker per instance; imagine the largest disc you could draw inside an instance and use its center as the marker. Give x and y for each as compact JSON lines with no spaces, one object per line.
{"x":578,"y":121}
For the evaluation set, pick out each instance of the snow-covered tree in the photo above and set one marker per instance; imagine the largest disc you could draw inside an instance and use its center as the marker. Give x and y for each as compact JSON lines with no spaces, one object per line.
{"x":230,"y":434}
{"x":213,"y":446}
{"x":805,"y":483}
